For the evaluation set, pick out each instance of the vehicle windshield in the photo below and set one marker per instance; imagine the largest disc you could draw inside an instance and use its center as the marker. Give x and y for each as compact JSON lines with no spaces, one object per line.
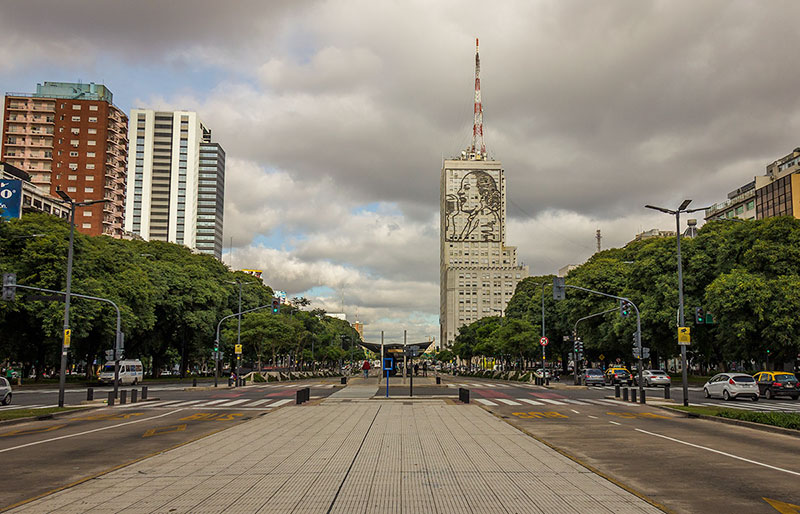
{"x":786,"y":377}
{"x":743,"y":379}
{"x":593,"y":372}
{"x":108,"y":368}
{"x":620,"y":372}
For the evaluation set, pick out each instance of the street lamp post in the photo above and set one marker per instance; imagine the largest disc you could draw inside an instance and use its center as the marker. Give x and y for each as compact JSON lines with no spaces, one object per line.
{"x":677,"y":213}
{"x":65,"y":338}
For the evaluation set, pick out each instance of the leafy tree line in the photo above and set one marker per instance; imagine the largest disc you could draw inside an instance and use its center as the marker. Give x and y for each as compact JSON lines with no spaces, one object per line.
{"x":746,"y":273}
{"x":170,"y":300}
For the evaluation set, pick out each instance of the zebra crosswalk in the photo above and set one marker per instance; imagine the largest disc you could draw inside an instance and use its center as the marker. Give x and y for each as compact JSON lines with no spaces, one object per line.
{"x":756,"y":407}
{"x":544,"y":402}
{"x":247,"y":404}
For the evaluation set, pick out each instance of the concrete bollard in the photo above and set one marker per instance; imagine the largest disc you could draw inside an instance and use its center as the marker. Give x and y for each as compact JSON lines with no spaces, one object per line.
{"x":633,"y":395}
{"x":616,"y":391}
{"x":123,"y":396}
{"x":194,"y":382}
{"x":643,"y":399}
{"x":134,"y":393}
{"x":144,"y":392}
{"x":625,"y":395}
{"x":111,"y":398}
{"x":90,"y":394}
{"x":666,"y":392}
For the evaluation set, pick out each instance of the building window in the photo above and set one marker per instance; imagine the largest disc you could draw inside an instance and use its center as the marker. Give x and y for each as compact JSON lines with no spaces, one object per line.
{"x":87,"y":213}
{"x":92,"y":119}
{"x":89,"y":178}
{"x":91,"y":131}
{"x":73,"y":154}
{"x":751,"y":205}
{"x":90,"y":166}
{"x":75,"y":130}
{"x":92,"y":107}
{"x":90,"y":154}
{"x":88,"y":190}
{"x":73,"y":166}
{"x":74,"y":142}
{"x":86,"y":225}
{"x":76,"y":118}
{"x":76,"y":107}
{"x":71,"y":189}
{"x":72,"y":177}
{"x":91,"y":143}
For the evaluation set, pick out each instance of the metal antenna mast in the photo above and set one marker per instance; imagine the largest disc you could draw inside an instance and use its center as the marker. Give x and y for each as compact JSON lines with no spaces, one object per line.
{"x":478,"y":146}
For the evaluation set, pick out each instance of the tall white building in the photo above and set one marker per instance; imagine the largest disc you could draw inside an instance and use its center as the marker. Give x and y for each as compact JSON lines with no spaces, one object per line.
{"x":478,"y":272}
{"x":165,"y":188}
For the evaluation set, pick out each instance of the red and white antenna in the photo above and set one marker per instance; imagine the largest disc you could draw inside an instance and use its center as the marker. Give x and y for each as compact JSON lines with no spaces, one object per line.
{"x":478,"y":146}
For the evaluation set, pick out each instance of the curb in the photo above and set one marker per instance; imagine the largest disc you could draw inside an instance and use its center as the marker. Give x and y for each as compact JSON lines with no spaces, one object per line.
{"x":738,"y":422}
{"x":54,"y":415}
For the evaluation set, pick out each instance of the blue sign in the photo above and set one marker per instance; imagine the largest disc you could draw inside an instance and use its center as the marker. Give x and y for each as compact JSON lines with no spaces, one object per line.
{"x":10,"y":198}
{"x":388,"y":364}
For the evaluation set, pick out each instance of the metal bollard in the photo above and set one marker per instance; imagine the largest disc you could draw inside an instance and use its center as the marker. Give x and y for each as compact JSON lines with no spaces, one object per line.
{"x":616,"y":391}
{"x":111,"y":398}
{"x":463,"y":395}
{"x":300,"y":396}
{"x":666,"y":392}
{"x":134,"y":394}
{"x":90,"y":394}
{"x":643,"y":399}
{"x":625,"y":395}
{"x":633,"y":395}
{"x":438,"y":380}
{"x":344,"y":380}
{"x":144,"y":392}
{"x":123,"y":397}
{"x":194,"y":382}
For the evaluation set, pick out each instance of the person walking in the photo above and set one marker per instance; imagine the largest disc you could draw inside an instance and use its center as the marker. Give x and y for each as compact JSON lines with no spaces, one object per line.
{"x":425,"y":369}
{"x":365,"y":367}
{"x":416,"y":369}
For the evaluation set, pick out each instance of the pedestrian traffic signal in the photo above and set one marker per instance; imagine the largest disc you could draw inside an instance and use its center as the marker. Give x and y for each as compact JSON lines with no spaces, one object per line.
{"x":709,"y":318}
{"x":9,"y":286}
{"x":699,"y":315}
{"x":276,"y":306}
{"x":624,"y":308}
{"x":559,"y":288}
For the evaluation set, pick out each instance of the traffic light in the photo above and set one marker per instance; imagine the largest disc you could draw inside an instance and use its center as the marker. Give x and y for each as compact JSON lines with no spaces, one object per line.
{"x":699,"y":315}
{"x":709,"y":318}
{"x":276,"y":306}
{"x":624,"y":308}
{"x":9,"y":286}
{"x":559,"y":288}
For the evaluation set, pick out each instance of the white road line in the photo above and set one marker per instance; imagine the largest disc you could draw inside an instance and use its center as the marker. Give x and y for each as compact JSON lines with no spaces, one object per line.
{"x":508,"y":402}
{"x":554,"y":402}
{"x":576,"y":402}
{"x":214,"y":402}
{"x":258,"y":402}
{"x":619,"y":402}
{"x":593,"y":417}
{"x":87,"y":432}
{"x":281,"y":402}
{"x":532,"y":402}
{"x":147,"y":404}
{"x":718,"y":452}
{"x":576,"y":412}
{"x":486,"y":402}
{"x":184,"y":404}
{"x":232,"y":403}
{"x":614,"y":423}
{"x":481,"y":385}
{"x":9,"y":407}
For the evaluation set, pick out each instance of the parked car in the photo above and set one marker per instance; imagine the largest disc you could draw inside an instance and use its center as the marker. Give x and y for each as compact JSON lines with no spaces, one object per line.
{"x":130,"y":372}
{"x":731,"y":386}
{"x":592,"y":376}
{"x":653,"y":378}
{"x":618,"y":375}
{"x":5,"y":391}
{"x":538,"y":373}
{"x":774,"y":383}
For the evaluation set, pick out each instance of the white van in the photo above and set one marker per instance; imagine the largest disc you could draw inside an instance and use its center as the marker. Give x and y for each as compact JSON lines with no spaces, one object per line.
{"x":130,"y":372}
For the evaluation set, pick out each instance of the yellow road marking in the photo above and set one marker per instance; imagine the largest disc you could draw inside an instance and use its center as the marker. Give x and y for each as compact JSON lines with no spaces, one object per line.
{"x":26,"y":431}
{"x":213,"y":416}
{"x":165,"y":430}
{"x":539,"y":415}
{"x":782,"y":507}
{"x":107,"y":417}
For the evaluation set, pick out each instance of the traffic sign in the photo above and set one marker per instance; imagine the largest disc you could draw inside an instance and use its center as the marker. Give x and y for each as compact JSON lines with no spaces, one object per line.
{"x":684,"y":336}
{"x":544,"y":341}
{"x":602,"y":357}
{"x":67,"y":337}
{"x":238,"y":349}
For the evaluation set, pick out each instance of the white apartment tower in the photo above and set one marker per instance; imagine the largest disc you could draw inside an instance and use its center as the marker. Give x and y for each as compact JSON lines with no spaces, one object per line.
{"x":478,"y":272}
{"x":165,"y":188}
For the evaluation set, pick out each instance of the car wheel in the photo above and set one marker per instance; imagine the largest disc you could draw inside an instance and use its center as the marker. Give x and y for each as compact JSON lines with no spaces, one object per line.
{"x":705,"y":392}
{"x":768,"y":394}
{"x":726,"y":395}
{"x":755,"y":398}
{"x":7,"y":399}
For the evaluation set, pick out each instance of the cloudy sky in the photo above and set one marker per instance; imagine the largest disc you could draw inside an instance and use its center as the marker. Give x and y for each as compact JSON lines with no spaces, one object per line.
{"x":336,"y":116}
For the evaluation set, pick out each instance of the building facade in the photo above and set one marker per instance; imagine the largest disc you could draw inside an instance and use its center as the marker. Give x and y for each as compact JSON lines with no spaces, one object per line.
{"x":164,"y":194}
{"x":741,"y":203}
{"x":778,"y":192}
{"x":478,"y":272}
{"x":70,"y":136}
{"x":34,"y":199}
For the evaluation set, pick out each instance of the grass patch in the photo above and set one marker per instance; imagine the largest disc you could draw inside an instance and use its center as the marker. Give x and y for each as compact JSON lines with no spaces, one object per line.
{"x":27,"y":413}
{"x":777,"y":419}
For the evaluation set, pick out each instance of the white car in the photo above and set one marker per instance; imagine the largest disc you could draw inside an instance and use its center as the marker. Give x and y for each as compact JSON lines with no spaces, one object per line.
{"x":731,"y":386}
{"x":538,"y":373}
{"x":5,"y":392}
{"x":653,"y":378}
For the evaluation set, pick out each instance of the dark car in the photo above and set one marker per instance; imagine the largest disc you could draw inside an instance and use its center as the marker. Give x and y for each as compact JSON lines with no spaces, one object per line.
{"x":592,"y":376}
{"x":775,"y":383}
{"x":618,"y":375}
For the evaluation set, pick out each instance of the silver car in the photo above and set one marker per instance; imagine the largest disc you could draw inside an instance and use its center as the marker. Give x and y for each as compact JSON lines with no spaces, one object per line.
{"x":653,"y":378}
{"x":592,"y":376}
{"x":5,"y":392}
{"x":731,"y":386}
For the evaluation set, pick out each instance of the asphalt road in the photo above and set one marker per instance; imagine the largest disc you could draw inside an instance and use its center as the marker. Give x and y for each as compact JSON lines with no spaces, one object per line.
{"x":42,"y":456}
{"x":687,"y":465}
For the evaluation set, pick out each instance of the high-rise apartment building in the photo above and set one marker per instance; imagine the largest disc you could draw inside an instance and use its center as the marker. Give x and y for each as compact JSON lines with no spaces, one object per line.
{"x":166,"y":189}
{"x":71,"y":136}
{"x":478,"y":272}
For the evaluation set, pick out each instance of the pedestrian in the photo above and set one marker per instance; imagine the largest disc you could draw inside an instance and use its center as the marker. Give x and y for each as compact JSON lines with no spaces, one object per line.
{"x":416,"y":369}
{"x":425,"y":369}
{"x":365,"y":367}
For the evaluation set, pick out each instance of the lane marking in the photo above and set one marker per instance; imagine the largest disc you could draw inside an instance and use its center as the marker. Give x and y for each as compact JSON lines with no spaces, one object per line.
{"x":576,"y":412}
{"x":554,"y":402}
{"x":164,"y":430}
{"x":614,"y":423}
{"x":486,"y":402}
{"x":88,"y":431}
{"x":712,"y":450}
{"x":214,"y":402}
{"x":532,"y":402}
{"x":258,"y":402}
{"x":234,"y":402}
{"x":184,"y":404}
{"x":280,"y":402}
{"x":27,"y":431}
{"x":594,"y":417}
{"x":508,"y":402}
{"x":576,"y":402}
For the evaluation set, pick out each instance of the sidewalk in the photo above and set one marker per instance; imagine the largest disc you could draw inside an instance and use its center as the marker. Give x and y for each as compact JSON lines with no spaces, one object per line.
{"x":368,"y":456}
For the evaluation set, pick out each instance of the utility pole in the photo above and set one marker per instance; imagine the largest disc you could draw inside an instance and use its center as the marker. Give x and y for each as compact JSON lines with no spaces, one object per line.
{"x":599,"y":238}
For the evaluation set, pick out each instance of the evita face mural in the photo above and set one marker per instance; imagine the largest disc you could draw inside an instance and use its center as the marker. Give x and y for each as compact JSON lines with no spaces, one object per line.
{"x":473,"y":206}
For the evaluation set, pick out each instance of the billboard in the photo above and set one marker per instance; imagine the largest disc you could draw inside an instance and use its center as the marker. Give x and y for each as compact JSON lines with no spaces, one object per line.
{"x":473,"y":206}
{"x":10,"y":199}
